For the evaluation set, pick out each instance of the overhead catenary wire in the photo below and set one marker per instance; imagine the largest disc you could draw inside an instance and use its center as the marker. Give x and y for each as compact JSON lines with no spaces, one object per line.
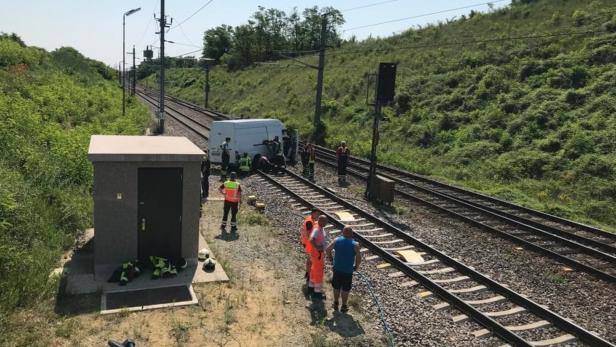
{"x":367,"y":5}
{"x":469,"y":42}
{"x":192,"y":15}
{"x":423,"y":15}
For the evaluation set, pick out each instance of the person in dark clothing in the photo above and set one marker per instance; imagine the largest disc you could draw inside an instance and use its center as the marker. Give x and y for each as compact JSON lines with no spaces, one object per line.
{"x":304,"y":156}
{"x":342,"y":154}
{"x":226,"y":157}
{"x":233,"y":196}
{"x":347,"y":258}
{"x":205,"y":175}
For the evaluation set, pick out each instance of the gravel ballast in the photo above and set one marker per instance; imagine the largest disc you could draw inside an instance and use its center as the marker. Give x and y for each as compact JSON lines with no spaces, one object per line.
{"x":589,"y":302}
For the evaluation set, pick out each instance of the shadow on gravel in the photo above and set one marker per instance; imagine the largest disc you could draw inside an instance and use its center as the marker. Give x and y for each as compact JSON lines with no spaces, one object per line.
{"x":228,"y":236}
{"x":344,"y":325}
{"x":73,"y":305}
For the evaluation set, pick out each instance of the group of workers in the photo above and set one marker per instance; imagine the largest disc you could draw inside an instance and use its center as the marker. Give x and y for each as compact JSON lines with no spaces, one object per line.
{"x":346,"y":258}
{"x":346,"y":255}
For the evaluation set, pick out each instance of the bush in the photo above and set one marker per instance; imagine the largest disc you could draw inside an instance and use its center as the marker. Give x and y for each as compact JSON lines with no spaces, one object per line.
{"x":580,"y":17}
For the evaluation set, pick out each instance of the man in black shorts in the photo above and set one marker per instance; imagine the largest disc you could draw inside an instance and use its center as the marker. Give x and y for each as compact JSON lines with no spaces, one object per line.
{"x":346,"y":260}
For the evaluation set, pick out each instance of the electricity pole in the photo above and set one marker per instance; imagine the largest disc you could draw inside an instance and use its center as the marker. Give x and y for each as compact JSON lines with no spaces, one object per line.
{"x":318,"y":137}
{"x":123,"y":65}
{"x":134,"y":74}
{"x":161,"y":102}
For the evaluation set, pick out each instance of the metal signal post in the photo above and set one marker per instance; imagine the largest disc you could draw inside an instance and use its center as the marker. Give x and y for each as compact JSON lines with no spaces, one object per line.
{"x":385,"y":88}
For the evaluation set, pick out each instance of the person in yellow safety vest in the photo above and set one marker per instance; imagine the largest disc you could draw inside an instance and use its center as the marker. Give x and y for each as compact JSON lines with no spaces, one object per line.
{"x":245,"y":164}
{"x":233,"y":193}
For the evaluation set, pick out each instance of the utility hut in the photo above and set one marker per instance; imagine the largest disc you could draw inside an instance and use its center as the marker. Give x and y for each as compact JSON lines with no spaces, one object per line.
{"x":146,"y":199}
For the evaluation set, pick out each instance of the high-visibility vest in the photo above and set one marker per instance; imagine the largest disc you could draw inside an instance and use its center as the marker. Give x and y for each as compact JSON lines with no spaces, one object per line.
{"x":232,"y":191}
{"x":245,"y":164}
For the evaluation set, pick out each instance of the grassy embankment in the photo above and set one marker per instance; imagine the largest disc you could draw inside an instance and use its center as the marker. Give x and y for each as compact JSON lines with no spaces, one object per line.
{"x":50,"y":104}
{"x":528,"y":119}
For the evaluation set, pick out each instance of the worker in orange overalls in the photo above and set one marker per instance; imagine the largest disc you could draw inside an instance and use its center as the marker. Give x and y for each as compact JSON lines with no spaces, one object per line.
{"x":317,"y":258}
{"x":309,"y":222}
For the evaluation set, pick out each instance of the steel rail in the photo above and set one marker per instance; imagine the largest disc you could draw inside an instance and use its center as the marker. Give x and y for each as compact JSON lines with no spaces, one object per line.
{"x":539,"y":249}
{"x":150,"y":100}
{"x":559,"y":321}
{"x":509,"y":218}
{"x":584,"y":227}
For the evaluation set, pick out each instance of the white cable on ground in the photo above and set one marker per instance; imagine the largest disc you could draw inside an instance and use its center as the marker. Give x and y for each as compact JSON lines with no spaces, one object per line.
{"x":388,"y":332}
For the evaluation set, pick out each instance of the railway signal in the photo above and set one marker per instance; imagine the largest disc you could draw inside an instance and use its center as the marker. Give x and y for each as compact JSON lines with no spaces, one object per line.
{"x":385,"y":90}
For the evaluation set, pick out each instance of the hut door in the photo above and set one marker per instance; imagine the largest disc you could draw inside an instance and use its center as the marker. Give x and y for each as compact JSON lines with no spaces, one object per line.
{"x":159,"y":223}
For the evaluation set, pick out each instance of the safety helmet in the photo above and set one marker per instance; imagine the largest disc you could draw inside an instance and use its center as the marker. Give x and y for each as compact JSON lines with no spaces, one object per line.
{"x":204,"y":253}
{"x":209,"y":264}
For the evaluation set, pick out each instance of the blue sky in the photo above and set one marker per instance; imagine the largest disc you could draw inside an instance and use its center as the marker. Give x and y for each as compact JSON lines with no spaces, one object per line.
{"x":95,"y":27}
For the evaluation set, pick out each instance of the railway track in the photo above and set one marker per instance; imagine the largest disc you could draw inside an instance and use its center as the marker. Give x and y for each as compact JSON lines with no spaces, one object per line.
{"x":512,"y":317}
{"x":503,"y":312}
{"x":194,"y":124}
{"x":579,"y":246}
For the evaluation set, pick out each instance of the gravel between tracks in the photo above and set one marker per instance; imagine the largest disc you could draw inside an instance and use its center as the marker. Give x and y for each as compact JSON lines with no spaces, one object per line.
{"x":413,"y":320}
{"x":589,"y":302}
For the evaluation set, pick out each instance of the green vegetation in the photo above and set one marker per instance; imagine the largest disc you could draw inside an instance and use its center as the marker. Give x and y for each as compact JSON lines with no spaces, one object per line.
{"x":50,"y":104}
{"x":478,"y":103}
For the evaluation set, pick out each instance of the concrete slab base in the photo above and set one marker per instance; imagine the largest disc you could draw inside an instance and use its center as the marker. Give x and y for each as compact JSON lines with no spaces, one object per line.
{"x":81,"y":279}
{"x":104,"y":307}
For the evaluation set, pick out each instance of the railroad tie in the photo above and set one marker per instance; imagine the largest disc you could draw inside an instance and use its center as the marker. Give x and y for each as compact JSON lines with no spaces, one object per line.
{"x":560,"y":339}
{"x":387,"y":242}
{"x":370,"y":230}
{"x":396,"y":274}
{"x":452,"y":280}
{"x":529,"y":326}
{"x":437,"y":271}
{"x":431,"y":261}
{"x":408,"y":284}
{"x":375,"y":236}
{"x":493,"y":299}
{"x":399,"y":248}
{"x":513,"y":310}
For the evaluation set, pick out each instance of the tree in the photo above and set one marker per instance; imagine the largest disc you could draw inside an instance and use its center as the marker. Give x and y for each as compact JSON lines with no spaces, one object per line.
{"x":217,"y":42}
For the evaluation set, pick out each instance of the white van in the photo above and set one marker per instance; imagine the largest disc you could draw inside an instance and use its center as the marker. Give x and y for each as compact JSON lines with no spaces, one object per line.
{"x":247,"y":136}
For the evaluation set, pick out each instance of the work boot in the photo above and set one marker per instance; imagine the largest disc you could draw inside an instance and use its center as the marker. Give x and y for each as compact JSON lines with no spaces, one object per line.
{"x":234,"y":229}
{"x":344,"y":309}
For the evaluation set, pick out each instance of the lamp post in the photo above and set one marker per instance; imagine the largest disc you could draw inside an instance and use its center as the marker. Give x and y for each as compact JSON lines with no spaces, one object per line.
{"x":127,"y":13}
